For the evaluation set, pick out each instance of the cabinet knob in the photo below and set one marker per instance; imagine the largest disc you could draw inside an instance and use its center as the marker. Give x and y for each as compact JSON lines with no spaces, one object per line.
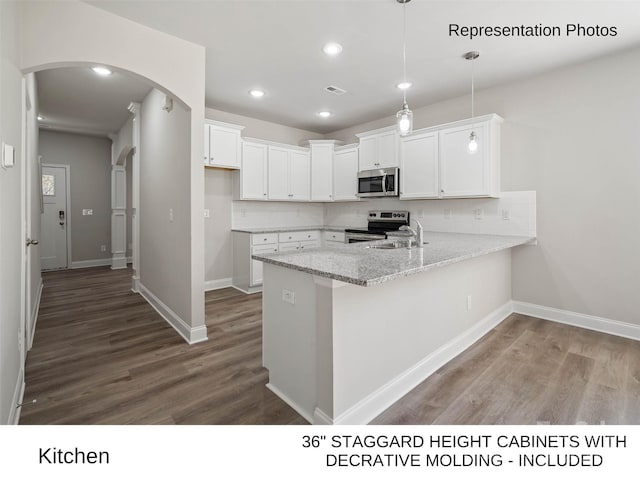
{"x":264,"y":194}
{"x":211,"y":158}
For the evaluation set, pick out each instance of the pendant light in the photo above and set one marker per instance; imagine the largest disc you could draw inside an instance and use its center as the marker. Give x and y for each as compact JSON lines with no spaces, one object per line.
{"x":404,"y":117}
{"x":472,"y":146}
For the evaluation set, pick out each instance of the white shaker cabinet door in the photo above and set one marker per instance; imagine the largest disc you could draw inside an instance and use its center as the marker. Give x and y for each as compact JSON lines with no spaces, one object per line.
{"x":299,"y":176}
{"x":419,"y":177}
{"x":253,"y":174}
{"x":464,"y":174}
{"x":278,"y":174}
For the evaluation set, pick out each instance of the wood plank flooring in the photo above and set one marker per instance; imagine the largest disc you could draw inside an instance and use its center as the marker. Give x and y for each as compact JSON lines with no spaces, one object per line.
{"x":102,"y":355}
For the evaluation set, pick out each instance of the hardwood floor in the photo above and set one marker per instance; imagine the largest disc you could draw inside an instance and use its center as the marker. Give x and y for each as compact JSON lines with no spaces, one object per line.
{"x":102,"y":355}
{"x":530,"y":371}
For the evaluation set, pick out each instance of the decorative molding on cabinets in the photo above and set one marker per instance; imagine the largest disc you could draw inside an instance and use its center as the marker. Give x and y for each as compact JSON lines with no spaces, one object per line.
{"x":375,"y":403}
{"x":377,"y":131}
{"x":34,"y":314}
{"x":309,"y":418}
{"x":590,"y":322}
{"x":217,"y":123}
{"x":190,"y":334}
{"x":276,"y":144}
{"x":217,"y":284}
{"x":18,"y":396}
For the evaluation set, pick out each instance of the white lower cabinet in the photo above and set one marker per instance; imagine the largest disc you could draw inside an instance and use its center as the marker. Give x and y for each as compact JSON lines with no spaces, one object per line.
{"x":247,"y":273}
{"x":256,"y":266}
{"x":333,"y":238}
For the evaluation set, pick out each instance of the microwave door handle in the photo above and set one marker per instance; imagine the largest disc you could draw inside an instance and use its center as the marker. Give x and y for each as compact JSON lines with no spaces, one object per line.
{"x":384,"y":183}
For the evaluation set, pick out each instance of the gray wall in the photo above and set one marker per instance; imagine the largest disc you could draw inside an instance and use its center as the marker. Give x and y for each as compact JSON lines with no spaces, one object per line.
{"x":571,"y":135}
{"x":218,"y":191}
{"x":90,"y":162}
{"x":165,"y":251}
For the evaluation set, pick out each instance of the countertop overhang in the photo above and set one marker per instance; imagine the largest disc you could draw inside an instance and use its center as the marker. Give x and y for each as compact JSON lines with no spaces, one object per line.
{"x":359,"y":265}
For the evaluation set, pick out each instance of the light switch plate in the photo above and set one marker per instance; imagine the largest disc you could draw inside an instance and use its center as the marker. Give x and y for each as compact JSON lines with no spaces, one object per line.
{"x":87,"y":211}
{"x":207,"y":213}
{"x":288,"y":296}
{"x":8,"y":155}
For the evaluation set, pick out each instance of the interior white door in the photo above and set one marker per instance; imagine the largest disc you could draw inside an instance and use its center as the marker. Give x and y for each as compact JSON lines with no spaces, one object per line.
{"x":53,"y":241}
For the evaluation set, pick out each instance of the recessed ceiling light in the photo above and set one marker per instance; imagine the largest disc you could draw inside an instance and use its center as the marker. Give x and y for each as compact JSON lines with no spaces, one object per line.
{"x":102,"y":71}
{"x":404,"y":85}
{"x":325,"y":114}
{"x":332,"y":49}
{"x":41,"y":118}
{"x":256,"y":93}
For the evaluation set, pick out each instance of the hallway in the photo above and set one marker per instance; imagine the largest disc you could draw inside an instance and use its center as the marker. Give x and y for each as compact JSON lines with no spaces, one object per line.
{"x":102,"y":355}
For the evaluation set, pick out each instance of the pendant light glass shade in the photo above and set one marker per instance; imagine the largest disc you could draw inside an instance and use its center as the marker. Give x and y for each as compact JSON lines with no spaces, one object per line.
{"x":404,"y":119}
{"x":472,"y":147}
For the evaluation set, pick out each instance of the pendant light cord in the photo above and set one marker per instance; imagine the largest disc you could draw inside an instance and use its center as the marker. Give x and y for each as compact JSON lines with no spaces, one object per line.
{"x":472,"y":89}
{"x":404,"y":50}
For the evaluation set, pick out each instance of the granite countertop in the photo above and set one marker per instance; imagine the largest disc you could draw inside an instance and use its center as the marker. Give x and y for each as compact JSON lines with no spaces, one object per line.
{"x":355,"y":263}
{"x":290,"y":229}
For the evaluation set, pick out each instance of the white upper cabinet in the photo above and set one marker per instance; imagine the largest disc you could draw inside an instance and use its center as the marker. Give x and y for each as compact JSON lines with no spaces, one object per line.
{"x":419,"y":177}
{"x":288,"y":174}
{"x":321,"y":170}
{"x":299,"y":179}
{"x":378,"y":149}
{"x":463,"y":174}
{"x":222,"y":144}
{"x":253,"y":172}
{"x":435,"y":162}
{"x":345,"y":173}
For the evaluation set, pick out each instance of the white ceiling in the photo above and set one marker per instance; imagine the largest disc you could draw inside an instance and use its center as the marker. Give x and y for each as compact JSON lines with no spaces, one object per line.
{"x":276,"y":45}
{"x":75,"y":99}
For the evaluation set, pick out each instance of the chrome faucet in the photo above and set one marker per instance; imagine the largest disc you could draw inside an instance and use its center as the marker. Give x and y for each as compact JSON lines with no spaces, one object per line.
{"x":417,"y":233}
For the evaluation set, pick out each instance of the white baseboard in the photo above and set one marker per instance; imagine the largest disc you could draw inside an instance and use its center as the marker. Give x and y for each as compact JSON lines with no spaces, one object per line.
{"x":290,"y":402}
{"x":191,"y":335}
{"x":18,"y":395}
{"x":590,"y":322}
{"x":321,"y":418}
{"x":375,"y":403}
{"x":217,"y":284}
{"x":34,"y":314}
{"x":98,"y":262}
{"x":249,"y":291}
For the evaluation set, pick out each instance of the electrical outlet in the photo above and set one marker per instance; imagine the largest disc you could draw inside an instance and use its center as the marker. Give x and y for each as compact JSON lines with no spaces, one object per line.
{"x":468,"y":303}
{"x":87,"y":211}
{"x":288,"y":296}
{"x":506,"y":215}
{"x":447,"y":214}
{"x":103,"y":248}
{"x":478,"y":214}
{"x":207,"y":213}
{"x":171,"y":214}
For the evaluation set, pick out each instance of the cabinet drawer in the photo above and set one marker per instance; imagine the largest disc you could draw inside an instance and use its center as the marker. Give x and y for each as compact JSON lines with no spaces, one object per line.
{"x":264,"y":238}
{"x":298,"y":236}
{"x":273,"y":248}
{"x":309,"y":244}
{"x":288,"y":246}
{"x":334,"y":237}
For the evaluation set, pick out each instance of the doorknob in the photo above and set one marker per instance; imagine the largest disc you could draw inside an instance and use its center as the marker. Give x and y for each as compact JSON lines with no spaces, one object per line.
{"x":32,"y":242}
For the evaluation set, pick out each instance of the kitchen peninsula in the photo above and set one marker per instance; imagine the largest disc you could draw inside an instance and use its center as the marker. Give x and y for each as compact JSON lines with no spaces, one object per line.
{"x":349,"y":329}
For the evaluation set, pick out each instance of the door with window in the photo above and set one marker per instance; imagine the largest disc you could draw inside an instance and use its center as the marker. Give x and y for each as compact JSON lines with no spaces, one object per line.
{"x":54,"y":230}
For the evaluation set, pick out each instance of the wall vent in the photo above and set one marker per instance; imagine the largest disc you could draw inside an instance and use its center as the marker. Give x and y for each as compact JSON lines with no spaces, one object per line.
{"x":335,"y":90}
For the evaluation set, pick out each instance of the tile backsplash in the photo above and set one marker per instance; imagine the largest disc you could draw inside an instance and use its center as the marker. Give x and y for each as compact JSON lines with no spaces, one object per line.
{"x":514,"y":213}
{"x":247,"y":214}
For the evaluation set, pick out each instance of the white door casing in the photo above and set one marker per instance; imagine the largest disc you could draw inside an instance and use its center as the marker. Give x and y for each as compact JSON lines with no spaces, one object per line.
{"x":54,"y":244}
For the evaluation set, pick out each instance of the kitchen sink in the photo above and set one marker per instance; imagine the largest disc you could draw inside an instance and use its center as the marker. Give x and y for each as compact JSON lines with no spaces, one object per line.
{"x":391,"y":245}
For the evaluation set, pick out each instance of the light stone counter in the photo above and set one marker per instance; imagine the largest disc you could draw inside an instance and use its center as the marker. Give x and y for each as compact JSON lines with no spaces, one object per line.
{"x":290,"y":229}
{"x":359,"y":265}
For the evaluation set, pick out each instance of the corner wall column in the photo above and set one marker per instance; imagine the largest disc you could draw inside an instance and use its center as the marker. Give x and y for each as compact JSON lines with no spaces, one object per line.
{"x":134,"y":108}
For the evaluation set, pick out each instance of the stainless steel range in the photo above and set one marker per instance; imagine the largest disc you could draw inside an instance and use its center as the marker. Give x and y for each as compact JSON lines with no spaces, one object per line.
{"x":379,"y":223}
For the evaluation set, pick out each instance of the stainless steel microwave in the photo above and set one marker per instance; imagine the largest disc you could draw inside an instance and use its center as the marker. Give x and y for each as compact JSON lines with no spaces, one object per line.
{"x":383,"y":182}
